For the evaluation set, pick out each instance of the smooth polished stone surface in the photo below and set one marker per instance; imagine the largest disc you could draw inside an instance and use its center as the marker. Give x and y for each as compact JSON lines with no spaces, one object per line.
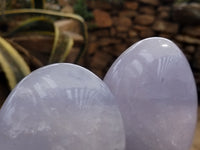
{"x":61,"y":107}
{"x":156,"y":93}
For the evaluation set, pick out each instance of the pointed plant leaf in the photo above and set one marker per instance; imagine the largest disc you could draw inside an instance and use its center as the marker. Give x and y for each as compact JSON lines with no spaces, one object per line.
{"x":55,"y":43}
{"x":12,"y":63}
{"x":69,"y":45}
{"x":61,"y":47}
{"x":57,"y":15}
{"x":62,"y":43}
{"x":39,"y":24}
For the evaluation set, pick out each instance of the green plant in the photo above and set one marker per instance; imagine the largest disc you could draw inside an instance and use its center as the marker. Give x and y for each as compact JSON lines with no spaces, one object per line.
{"x":81,"y":9}
{"x":40,"y":22}
{"x":12,"y":63}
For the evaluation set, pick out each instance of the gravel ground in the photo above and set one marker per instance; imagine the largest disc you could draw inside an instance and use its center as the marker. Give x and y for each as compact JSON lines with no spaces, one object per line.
{"x":196,"y":142}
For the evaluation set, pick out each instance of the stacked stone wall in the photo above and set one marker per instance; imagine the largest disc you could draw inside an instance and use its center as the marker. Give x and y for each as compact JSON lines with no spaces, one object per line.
{"x":116,"y":27}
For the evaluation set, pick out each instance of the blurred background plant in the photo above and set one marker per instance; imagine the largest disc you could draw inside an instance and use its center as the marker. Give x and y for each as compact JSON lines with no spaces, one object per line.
{"x":32,"y":36}
{"x":81,"y":9}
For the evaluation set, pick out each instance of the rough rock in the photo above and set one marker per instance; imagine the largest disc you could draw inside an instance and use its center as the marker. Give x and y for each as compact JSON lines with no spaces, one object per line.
{"x":93,"y":46}
{"x":150,"y":2}
{"x":68,"y":25}
{"x":144,"y":19}
{"x":188,"y":39}
{"x":63,"y":2}
{"x":102,"y":33}
{"x":192,"y":30}
{"x":99,"y":61}
{"x":67,"y":9}
{"x":35,"y":43}
{"x":131,"y":5}
{"x":122,"y":35}
{"x":187,"y":13}
{"x":75,"y":36}
{"x":140,"y":28}
{"x":164,"y":26}
{"x":99,"y":5}
{"x":113,"y":31}
{"x":102,"y":18}
{"x":131,"y":41}
{"x":50,"y":6}
{"x":93,"y":37}
{"x":108,"y":41}
{"x":168,"y":36}
{"x":190,"y":49}
{"x":121,"y":29}
{"x":196,"y":61}
{"x":132,"y":33}
{"x":123,"y":24}
{"x":128,"y":13}
{"x":147,"y":10}
{"x":163,"y":8}
{"x":164,"y":15}
{"x":146,"y":33}
{"x":73,"y":55}
{"x":123,"y":21}
{"x":119,"y":49}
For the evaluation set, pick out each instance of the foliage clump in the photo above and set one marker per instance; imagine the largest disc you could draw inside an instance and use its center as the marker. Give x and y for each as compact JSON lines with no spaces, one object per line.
{"x":80,"y":8}
{"x":17,"y":59}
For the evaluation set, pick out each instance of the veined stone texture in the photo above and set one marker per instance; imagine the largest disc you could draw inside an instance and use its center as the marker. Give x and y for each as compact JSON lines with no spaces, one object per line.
{"x":61,"y":107}
{"x":155,"y":90}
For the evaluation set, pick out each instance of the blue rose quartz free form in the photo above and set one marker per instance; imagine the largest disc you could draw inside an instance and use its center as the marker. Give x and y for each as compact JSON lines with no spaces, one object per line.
{"x":155,"y":90}
{"x":61,"y":107}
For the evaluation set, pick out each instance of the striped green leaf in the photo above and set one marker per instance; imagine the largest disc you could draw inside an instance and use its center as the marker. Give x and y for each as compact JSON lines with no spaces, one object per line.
{"x":57,"y":15}
{"x":13,"y":65}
